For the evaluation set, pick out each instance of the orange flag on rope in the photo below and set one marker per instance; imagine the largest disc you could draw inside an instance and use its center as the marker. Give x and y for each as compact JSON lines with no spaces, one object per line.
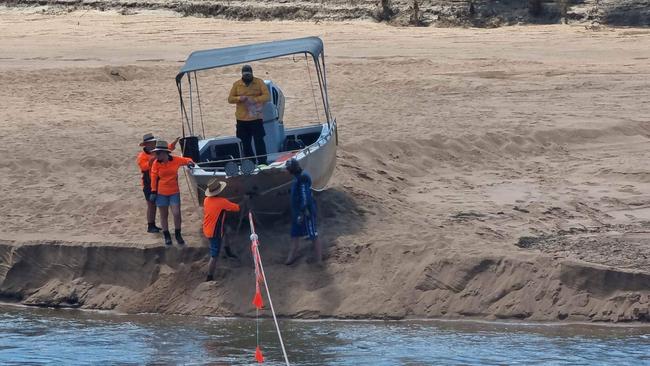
{"x":258,"y":355}
{"x":257,"y":300}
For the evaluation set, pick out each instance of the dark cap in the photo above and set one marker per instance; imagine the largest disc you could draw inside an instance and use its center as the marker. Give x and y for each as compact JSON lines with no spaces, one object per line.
{"x":293,"y":166}
{"x":246,"y":69}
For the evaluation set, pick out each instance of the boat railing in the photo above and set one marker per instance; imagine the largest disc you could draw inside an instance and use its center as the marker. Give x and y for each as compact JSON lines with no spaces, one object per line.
{"x":198,"y":165}
{"x":305,"y":150}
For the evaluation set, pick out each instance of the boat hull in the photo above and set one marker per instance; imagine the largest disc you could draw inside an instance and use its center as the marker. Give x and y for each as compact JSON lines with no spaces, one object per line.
{"x":266,"y":191}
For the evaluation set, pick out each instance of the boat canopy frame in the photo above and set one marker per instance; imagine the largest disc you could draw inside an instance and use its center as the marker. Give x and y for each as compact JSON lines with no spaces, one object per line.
{"x":228,"y":56}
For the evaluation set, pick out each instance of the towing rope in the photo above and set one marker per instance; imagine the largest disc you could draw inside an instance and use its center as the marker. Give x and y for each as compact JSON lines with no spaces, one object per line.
{"x":187,"y":180}
{"x":190,"y":188}
{"x":260,"y":277}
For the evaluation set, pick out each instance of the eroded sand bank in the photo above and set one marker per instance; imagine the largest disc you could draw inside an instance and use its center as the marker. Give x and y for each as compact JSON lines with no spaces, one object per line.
{"x":488,"y":173}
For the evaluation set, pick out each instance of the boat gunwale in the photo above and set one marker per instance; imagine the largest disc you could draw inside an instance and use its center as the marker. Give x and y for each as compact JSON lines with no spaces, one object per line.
{"x":324,"y":138}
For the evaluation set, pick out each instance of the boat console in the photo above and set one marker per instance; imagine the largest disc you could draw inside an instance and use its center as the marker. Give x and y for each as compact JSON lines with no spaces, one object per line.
{"x":216,"y":152}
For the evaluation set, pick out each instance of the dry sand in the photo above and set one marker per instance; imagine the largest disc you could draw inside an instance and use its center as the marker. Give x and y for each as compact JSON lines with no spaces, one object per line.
{"x":487,"y":173}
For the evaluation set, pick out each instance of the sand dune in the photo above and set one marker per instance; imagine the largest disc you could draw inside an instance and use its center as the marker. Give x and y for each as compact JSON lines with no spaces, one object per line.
{"x":485,"y":173}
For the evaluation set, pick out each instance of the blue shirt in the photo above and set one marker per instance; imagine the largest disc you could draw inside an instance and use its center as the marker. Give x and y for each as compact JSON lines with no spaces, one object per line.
{"x":301,"y":197}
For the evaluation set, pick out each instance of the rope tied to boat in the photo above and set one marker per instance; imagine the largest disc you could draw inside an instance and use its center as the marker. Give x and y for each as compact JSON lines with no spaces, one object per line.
{"x":258,"y":302}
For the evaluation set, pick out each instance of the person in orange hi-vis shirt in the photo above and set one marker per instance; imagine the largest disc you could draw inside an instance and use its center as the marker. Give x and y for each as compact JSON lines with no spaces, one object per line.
{"x":144,"y":160}
{"x":214,"y":217}
{"x":164,"y":188}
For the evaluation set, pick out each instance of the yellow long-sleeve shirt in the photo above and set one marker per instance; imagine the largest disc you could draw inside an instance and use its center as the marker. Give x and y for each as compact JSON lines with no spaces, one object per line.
{"x":257,"y":94}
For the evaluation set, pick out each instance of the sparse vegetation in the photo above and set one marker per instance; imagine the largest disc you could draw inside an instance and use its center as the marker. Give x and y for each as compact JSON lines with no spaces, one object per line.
{"x":385,"y":11}
{"x":416,"y":19}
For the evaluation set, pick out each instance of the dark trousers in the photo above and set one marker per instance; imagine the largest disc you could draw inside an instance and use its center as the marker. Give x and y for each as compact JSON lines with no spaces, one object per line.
{"x":146,"y":185}
{"x":247,"y":130}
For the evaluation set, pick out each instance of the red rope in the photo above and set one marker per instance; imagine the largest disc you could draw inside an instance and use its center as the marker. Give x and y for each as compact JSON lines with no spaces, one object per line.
{"x":257,"y":299}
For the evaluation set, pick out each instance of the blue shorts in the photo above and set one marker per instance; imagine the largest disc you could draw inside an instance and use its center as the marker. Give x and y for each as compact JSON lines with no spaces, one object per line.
{"x":307,"y":228}
{"x":215,"y":246}
{"x":172,"y":200}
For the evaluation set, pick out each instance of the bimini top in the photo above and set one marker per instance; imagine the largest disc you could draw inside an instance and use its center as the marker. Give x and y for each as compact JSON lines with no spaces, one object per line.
{"x":220,"y":57}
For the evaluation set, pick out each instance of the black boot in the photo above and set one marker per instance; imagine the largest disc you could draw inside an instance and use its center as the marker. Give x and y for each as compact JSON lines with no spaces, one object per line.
{"x":179,"y":238}
{"x":152,"y":228}
{"x":168,"y":237}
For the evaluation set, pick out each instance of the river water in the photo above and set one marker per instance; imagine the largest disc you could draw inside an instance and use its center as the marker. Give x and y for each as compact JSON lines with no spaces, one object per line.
{"x":72,"y":337}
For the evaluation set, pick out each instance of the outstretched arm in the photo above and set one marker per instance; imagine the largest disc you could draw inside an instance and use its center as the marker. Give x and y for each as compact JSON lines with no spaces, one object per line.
{"x":172,"y":146}
{"x":231,"y":206}
{"x":184,"y":160}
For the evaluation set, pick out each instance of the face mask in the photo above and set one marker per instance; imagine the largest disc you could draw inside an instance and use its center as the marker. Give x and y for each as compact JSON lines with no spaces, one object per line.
{"x":247,"y":78}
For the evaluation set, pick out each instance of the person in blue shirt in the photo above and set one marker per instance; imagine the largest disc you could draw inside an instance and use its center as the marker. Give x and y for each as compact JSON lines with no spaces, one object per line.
{"x":303,"y":213}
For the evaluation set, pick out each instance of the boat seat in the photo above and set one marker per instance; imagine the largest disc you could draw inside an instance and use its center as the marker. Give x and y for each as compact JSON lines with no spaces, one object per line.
{"x":269,"y":112}
{"x":219,"y":162}
{"x":220,"y":148}
{"x":272,"y":120}
{"x":273,"y":136}
{"x":221,"y":152}
{"x":292,"y":143}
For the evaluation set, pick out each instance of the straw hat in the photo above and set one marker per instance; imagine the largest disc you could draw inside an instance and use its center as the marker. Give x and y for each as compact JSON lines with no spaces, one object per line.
{"x":161,"y":145}
{"x":214,"y":188}
{"x":148,"y":138}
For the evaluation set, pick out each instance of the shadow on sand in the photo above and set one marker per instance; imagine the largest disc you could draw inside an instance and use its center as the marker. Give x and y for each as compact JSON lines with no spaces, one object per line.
{"x":338,"y":216}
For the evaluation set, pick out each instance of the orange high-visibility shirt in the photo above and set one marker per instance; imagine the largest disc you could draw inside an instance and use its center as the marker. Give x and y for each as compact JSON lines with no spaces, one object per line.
{"x":145,"y":160}
{"x":164,"y":176}
{"x":214,"y":215}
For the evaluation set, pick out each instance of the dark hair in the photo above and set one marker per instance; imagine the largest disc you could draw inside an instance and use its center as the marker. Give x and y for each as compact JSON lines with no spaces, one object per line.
{"x":293,"y":166}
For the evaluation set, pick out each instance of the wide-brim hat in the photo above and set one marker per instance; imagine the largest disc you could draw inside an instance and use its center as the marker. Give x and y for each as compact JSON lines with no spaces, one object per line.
{"x":161,"y":145}
{"x":148,"y":138}
{"x":214,"y":188}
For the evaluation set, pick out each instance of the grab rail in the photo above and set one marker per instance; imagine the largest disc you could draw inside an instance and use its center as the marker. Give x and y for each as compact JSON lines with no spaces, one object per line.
{"x":306,"y":150}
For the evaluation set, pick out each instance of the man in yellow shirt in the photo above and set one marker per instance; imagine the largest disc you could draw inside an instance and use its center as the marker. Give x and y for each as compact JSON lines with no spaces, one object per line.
{"x":249,"y":94}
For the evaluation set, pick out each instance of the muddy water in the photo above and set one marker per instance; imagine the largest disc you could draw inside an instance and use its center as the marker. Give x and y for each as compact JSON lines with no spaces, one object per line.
{"x":49,"y":336}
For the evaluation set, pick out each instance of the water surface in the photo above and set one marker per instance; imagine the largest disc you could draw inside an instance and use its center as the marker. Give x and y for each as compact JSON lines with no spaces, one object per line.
{"x":73,"y":337}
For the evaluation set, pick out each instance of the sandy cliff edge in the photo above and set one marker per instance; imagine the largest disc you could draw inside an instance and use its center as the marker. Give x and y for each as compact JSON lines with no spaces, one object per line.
{"x":170,"y":280}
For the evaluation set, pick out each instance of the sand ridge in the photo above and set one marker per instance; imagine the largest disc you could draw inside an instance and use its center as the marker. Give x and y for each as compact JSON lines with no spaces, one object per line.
{"x":485,"y":173}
